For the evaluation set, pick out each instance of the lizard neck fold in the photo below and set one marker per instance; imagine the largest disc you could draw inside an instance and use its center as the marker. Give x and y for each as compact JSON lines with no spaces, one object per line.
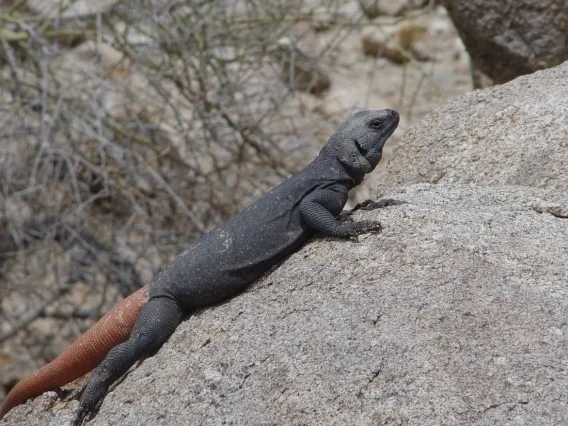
{"x":342,"y":172}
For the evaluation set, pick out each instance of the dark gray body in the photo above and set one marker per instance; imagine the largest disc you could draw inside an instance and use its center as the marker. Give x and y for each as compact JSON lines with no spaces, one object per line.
{"x":227,"y":259}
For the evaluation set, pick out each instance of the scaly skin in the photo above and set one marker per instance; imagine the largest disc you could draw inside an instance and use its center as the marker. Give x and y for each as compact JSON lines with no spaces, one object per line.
{"x":81,"y":356}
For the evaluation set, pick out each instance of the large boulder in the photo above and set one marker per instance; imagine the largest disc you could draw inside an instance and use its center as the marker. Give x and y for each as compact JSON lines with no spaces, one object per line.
{"x":455,"y":314}
{"x":508,"y":39}
{"x":513,"y":134}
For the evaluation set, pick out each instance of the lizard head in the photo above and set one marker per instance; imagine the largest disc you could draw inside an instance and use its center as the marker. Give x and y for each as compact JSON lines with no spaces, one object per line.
{"x":358,"y":143}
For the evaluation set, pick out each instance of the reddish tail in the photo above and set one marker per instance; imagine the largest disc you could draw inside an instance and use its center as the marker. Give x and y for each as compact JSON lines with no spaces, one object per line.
{"x":83,"y":355}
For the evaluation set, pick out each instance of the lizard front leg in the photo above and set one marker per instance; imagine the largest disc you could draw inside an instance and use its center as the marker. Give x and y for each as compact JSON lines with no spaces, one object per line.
{"x":320,"y":211}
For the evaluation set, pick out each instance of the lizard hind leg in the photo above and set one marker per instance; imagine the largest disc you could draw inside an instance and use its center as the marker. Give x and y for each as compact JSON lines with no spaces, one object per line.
{"x":155,"y":323}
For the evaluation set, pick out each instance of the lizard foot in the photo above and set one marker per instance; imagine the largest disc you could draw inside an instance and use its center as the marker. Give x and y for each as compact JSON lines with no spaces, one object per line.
{"x":354,"y":229}
{"x":367,"y":227}
{"x":92,"y":397}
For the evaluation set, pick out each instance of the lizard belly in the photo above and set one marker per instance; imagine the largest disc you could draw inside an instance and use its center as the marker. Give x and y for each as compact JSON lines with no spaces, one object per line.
{"x":197,"y":282}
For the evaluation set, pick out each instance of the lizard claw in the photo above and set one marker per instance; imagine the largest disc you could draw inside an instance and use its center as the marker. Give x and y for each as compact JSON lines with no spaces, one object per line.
{"x":368,"y":227}
{"x":364,"y":227}
{"x":92,"y":396}
{"x":353,"y":238}
{"x":79,"y":418}
{"x":373,"y":205}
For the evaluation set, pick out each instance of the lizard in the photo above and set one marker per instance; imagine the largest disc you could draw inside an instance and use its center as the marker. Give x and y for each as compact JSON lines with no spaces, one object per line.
{"x":224,"y":261}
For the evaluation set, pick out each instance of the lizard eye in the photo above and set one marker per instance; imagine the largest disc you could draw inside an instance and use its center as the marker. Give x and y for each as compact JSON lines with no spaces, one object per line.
{"x":376,"y":124}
